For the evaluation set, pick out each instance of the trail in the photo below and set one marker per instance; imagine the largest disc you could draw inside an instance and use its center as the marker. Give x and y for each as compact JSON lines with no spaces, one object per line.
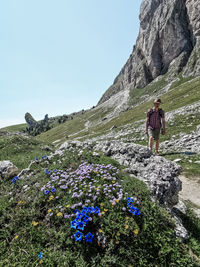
{"x":191,"y":191}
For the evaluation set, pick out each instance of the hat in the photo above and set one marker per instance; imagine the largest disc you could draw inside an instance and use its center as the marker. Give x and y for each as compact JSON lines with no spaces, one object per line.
{"x":157,"y":101}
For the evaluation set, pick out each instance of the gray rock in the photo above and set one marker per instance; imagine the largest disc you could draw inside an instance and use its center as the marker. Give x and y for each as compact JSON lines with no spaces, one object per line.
{"x":7,"y":169}
{"x":168,"y":33}
{"x":177,"y":160}
{"x":160,"y":175}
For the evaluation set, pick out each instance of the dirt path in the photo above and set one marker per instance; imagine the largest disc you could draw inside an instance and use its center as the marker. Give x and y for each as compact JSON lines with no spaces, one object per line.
{"x":191,"y":191}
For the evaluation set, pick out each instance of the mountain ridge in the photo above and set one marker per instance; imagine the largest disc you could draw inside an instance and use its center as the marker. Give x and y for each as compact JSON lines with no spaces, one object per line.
{"x":169,"y":30}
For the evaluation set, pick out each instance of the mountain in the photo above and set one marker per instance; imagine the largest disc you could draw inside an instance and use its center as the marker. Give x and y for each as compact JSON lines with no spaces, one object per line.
{"x":168,"y":40}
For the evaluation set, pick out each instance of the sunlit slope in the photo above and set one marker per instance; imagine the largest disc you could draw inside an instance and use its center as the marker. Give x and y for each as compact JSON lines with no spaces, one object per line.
{"x":14,"y":128}
{"x":178,"y":95}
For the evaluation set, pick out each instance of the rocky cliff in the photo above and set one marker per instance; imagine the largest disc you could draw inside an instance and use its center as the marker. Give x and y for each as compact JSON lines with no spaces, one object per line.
{"x":169,"y":34}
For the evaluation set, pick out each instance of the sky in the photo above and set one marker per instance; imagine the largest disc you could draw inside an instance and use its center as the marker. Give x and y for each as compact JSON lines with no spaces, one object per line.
{"x":59,"y":57}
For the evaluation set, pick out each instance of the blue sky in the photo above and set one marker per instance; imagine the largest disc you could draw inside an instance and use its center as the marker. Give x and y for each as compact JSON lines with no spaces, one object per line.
{"x":57,"y":57}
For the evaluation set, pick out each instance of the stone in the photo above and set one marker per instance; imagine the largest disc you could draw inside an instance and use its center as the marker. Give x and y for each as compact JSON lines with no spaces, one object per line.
{"x":177,"y":160}
{"x":168,"y":41}
{"x":160,"y":175}
{"x":7,"y":169}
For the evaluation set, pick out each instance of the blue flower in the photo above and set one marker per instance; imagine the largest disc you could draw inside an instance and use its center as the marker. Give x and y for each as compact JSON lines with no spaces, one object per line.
{"x":89,"y":237}
{"x":133,"y":210}
{"x":40,"y":255}
{"x":46,"y":192}
{"x":73,"y":224}
{"x":85,"y":219}
{"x":129,"y":199}
{"x":79,"y":216}
{"x":81,"y":226}
{"x":90,"y":209}
{"x":96,"y":210}
{"x":36,"y":159}
{"x":78,"y":236}
{"x":43,"y":157}
{"x":55,"y":170}
{"x":76,"y":211}
{"x":130,"y":205}
{"x":14,"y":179}
{"x":53,"y":190}
{"x":138,"y":213}
{"x":83,"y":212}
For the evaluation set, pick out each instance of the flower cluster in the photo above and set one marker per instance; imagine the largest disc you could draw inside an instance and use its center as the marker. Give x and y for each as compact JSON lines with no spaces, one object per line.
{"x":81,"y":220}
{"x":88,"y":185}
{"x":133,"y":210}
{"x":15,"y":179}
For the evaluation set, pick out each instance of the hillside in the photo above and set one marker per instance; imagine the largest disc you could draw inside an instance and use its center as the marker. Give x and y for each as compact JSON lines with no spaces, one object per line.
{"x":88,"y":192}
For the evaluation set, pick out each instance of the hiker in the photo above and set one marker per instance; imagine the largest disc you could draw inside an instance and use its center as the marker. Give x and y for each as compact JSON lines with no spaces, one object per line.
{"x":153,"y":124}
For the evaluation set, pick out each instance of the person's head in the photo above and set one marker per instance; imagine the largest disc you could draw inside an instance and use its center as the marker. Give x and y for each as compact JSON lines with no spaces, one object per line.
{"x":157,"y":102}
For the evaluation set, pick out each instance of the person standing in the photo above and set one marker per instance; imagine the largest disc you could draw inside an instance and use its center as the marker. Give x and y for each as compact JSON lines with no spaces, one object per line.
{"x":155,"y":120}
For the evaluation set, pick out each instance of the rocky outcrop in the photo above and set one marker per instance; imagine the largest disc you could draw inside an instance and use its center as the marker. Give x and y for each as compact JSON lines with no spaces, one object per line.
{"x":159,"y":174}
{"x":7,"y":169}
{"x":168,"y":33}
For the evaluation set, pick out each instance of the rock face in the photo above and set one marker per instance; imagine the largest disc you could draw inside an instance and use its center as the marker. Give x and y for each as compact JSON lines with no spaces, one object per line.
{"x":7,"y":169}
{"x":159,"y":174}
{"x":169,"y":30}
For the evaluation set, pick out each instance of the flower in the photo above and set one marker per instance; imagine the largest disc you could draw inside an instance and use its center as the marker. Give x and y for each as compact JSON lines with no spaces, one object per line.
{"x":20,"y":202}
{"x":135,"y":231}
{"x":78,"y":236}
{"x":100,"y":231}
{"x":96,"y":210}
{"x":89,"y":237}
{"x":51,"y":197}
{"x":15,"y":179}
{"x":53,"y":190}
{"x":16,"y":237}
{"x":40,"y":255}
{"x":34,"y":223}
{"x":126,"y":226}
{"x":76,"y":211}
{"x":46,"y":192}
{"x":73,"y":224}
{"x":129,"y":199}
{"x":49,"y":210}
{"x":59,"y":214}
{"x":81,"y":226}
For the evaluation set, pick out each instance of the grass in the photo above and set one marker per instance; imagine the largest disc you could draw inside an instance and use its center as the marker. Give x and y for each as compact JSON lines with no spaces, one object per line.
{"x":15,"y":128}
{"x":21,"y":150}
{"x":172,"y":100}
{"x":144,"y":240}
{"x":190,"y":168}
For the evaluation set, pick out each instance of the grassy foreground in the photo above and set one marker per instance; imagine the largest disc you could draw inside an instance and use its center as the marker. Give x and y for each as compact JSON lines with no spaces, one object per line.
{"x":120,"y":225}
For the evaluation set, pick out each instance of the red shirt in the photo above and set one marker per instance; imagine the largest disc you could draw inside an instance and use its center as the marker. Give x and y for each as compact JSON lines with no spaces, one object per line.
{"x":155,"y":118}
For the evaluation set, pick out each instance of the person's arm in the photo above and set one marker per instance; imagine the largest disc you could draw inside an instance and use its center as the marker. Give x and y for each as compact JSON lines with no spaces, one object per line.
{"x":147,"y":123}
{"x":163,"y":123}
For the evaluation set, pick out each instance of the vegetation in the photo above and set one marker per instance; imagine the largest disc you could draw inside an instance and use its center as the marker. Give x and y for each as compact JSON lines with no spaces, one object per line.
{"x":37,"y":213}
{"x":21,"y":150}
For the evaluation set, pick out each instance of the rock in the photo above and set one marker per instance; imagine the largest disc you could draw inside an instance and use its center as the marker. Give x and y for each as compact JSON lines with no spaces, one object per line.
{"x":177,"y":160}
{"x":160,"y":175}
{"x":168,"y":41}
{"x":7,"y":169}
{"x":47,"y":148}
{"x":113,"y":127}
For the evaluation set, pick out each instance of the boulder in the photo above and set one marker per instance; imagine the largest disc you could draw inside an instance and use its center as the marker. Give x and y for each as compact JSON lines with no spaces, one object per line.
{"x":7,"y":169}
